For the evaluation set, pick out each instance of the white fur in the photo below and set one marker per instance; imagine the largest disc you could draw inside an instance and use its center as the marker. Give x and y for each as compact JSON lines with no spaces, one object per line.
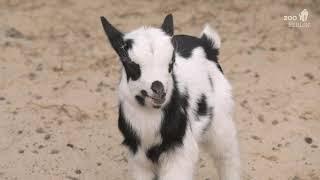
{"x":153,"y":50}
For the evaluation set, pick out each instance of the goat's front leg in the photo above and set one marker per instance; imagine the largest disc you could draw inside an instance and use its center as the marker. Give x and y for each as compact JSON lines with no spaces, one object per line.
{"x":140,"y":167}
{"x":179,"y":164}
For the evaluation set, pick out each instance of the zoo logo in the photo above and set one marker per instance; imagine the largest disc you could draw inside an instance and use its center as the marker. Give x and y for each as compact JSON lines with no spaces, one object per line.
{"x":304,"y":15}
{"x":302,"y":22}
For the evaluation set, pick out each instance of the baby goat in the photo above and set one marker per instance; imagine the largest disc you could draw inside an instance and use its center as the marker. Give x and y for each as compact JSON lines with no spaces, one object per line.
{"x":173,"y":98}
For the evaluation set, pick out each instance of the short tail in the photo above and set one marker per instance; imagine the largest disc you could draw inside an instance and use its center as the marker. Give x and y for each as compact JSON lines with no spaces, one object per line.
{"x":211,"y":36}
{"x":213,"y":42}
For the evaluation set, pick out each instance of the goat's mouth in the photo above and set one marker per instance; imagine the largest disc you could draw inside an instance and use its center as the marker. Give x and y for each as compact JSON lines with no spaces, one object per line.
{"x":157,"y":101}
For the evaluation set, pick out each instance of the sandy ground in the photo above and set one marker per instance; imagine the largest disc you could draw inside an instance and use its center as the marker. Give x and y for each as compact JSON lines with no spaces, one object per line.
{"x":58,"y":85}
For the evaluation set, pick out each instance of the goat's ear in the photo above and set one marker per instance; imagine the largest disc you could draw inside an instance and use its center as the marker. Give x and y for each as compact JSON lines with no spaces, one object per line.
{"x":115,"y":37}
{"x":167,"y":25}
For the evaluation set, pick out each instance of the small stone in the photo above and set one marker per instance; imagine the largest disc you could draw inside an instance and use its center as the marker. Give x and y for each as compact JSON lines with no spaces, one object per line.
{"x":261,"y":118}
{"x":270,"y":158}
{"x":38,"y":97}
{"x":70,"y":145}
{"x":309,"y":76}
{"x":32,"y":76}
{"x":14,"y":33}
{"x":81,"y":79}
{"x":255,"y":137}
{"x":273,"y":49}
{"x":72,"y":178}
{"x":57,"y":69}
{"x":47,"y":136}
{"x":314,"y":146}
{"x":244,"y":103}
{"x":21,"y":151}
{"x":296,"y":178}
{"x":247,"y":71}
{"x":40,"y":130}
{"x":39,"y":67}
{"x":2,"y":98}
{"x":78,"y":171}
{"x":275,"y":122}
{"x":54,"y":151}
{"x":308,"y":140}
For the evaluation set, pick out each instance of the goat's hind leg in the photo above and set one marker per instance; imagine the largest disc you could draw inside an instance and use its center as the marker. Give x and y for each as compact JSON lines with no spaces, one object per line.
{"x":222,"y":143}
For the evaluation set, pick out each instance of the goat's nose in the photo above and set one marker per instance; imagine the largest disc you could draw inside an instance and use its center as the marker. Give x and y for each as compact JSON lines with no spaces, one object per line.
{"x":157,"y":87}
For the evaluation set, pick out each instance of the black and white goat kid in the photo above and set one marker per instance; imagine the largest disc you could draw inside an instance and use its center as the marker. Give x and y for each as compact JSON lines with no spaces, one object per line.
{"x":173,"y":98}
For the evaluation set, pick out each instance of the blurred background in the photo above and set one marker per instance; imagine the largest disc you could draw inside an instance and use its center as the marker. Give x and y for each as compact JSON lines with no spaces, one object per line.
{"x":59,"y":76}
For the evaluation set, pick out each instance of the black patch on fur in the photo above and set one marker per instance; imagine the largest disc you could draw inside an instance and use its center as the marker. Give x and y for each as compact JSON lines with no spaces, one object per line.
{"x":185,"y":101}
{"x":144,"y":93}
{"x":128,"y":44}
{"x":209,"y":123}
{"x":185,"y":44}
{"x":140,"y":100}
{"x":131,"y":139}
{"x":173,"y":125}
{"x":132,"y":69}
{"x":202,"y":106}
{"x":154,"y":152}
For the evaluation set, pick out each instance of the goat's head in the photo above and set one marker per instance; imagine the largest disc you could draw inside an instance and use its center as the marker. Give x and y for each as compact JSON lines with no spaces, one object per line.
{"x":147,"y":56}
